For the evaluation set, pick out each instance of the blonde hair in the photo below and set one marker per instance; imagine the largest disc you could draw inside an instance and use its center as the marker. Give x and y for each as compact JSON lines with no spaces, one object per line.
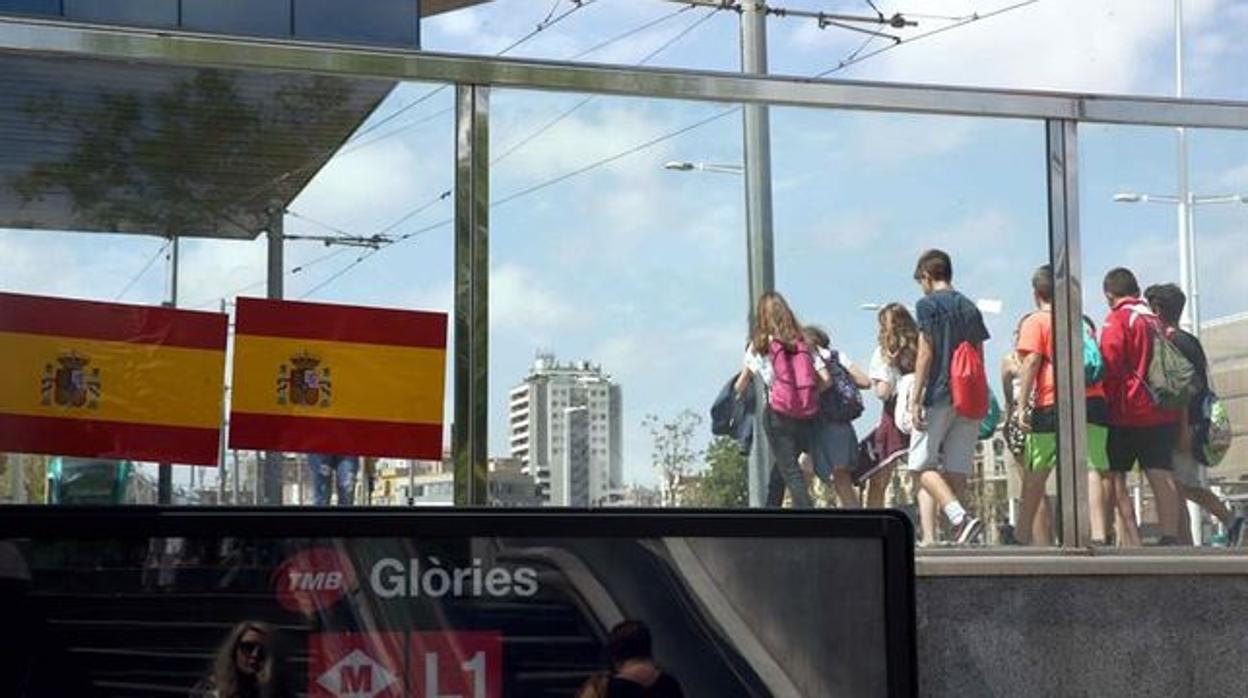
{"x":773,"y":319}
{"x":898,"y":337}
{"x":269,"y":681}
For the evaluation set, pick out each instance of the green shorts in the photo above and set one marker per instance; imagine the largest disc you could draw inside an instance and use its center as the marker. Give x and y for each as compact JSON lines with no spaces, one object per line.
{"x":1098,"y":458}
{"x":1040,"y":450}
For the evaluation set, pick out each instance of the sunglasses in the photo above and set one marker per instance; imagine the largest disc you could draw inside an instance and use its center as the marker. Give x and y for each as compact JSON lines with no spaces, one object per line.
{"x":252,"y":648}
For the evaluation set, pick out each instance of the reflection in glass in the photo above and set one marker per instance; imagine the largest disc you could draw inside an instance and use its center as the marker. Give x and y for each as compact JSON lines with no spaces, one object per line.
{"x":518,"y":616}
{"x":618,"y":308}
{"x":859,"y":199}
{"x":1190,"y":490}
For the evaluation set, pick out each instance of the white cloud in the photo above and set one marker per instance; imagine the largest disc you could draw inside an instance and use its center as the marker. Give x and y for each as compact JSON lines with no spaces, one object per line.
{"x":94,"y":266}
{"x":1074,"y":45}
{"x":971,"y":233}
{"x":1233,"y":180}
{"x":882,"y":141}
{"x":522,"y":303}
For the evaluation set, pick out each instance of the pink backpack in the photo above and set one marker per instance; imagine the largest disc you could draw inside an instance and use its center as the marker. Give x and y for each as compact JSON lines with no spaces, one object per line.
{"x":794,"y":387}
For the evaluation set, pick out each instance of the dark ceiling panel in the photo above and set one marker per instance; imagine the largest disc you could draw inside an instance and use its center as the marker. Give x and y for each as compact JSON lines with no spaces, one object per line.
{"x":102,"y":146}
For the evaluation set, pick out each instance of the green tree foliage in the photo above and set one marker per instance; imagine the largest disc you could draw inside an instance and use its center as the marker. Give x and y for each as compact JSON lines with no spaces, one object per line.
{"x":674,"y":455}
{"x":725,"y":481}
{"x":208,"y":152}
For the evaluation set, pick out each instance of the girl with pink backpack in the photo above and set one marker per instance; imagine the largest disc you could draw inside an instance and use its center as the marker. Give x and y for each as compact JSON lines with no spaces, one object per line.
{"x":793,"y":376}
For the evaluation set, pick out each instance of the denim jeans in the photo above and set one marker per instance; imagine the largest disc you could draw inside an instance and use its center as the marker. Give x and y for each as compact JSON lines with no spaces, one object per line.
{"x":788,"y":438}
{"x":340,"y":470}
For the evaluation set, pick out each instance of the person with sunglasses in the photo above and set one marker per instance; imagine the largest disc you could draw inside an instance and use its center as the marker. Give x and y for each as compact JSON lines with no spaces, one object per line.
{"x":249,"y":664}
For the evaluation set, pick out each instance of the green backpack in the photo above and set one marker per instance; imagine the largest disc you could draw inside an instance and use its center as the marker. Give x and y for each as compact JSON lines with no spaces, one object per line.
{"x":1171,"y":378}
{"x":1213,"y":434}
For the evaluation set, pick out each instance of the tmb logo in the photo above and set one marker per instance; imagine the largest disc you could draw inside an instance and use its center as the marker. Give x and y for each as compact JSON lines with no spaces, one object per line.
{"x":314,"y":579}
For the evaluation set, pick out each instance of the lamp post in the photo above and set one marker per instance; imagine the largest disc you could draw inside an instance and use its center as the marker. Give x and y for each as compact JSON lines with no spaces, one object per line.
{"x":720,"y":168}
{"x":1188,"y":278}
{"x":759,"y":239}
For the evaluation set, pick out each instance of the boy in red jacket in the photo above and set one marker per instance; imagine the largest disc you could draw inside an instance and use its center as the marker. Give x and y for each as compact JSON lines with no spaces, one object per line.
{"x":1139,"y":431}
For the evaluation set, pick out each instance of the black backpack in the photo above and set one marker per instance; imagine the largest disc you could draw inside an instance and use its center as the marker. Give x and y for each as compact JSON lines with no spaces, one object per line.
{"x":841,"y":401}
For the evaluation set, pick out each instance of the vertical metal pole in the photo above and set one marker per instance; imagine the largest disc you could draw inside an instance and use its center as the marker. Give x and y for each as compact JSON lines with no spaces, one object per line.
{"x":411,"y":483}
{"x":269,"y":476}
{"x":1065,"y":251}
{"x":760,"y":261}
{"x":225,"y":427}
{"x":472,"y":269}
{"x":164,"y":471}
{"x":1187,"y":247}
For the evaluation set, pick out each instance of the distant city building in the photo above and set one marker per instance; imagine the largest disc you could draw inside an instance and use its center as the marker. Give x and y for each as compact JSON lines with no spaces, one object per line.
{"x":633,"y":496}
{"x":995,"y":486}
{"x":565,"y":424}
{"x":430,"y":483}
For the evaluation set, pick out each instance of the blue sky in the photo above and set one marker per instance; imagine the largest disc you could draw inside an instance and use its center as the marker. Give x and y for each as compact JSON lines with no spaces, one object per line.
{"x":642,"y":269}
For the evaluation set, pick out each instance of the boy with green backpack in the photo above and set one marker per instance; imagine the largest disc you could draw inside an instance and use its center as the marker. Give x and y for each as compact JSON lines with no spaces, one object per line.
{"x":1199,"y":443}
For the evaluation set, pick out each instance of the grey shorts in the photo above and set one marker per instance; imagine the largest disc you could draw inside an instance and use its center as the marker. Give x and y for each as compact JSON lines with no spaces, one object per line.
{"x":948,"y":444}
{"x":1186,"y":469}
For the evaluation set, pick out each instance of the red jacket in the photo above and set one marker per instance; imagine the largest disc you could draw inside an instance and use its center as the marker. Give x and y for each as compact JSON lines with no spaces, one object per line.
{"x":1126,"y":344}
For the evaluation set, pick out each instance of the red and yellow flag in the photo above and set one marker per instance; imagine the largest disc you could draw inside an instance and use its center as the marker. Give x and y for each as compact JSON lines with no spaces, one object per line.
{"x":104,"y":380}
{"x":318,"y":378}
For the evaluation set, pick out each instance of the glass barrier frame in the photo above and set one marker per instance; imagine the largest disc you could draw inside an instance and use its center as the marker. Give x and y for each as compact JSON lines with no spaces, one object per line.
{"x":473,"y":77}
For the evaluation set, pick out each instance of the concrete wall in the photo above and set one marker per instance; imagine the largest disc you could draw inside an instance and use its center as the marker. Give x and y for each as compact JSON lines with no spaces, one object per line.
{"x":1133,"y":636}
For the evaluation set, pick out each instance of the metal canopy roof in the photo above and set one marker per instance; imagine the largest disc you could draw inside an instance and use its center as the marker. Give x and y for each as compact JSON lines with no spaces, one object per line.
{"x":101,"y":146}
{"x":428,"y":8}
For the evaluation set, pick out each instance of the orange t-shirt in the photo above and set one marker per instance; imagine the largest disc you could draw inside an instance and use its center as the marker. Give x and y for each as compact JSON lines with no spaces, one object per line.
{"x":1036,"y":337}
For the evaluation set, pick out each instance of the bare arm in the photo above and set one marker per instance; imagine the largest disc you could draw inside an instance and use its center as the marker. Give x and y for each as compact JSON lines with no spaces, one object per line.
{"x":825,"y":379}
{"x":860,"y":379}
{"x":1007,"y":383}
{"x":883,"y":389}
{"x":922,"y":367}
{"x":1027,"y":381}
{"x":743,"y":380}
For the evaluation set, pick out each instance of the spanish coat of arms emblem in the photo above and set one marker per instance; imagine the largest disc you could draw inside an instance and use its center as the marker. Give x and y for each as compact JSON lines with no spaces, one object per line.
{"x":303,"y":382}
{"x":71,"y":382}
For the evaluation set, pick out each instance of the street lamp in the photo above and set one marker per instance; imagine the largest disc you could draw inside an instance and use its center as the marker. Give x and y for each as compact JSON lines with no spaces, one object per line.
{"x":1188,"y":278}
{"x":686,"y":166}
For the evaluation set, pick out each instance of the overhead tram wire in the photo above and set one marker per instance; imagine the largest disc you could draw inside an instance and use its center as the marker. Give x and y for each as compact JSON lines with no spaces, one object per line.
{"x":532,"y":136}
{"x":325,"y":155}
{"x":589,"y":98}
{"x":911,"y":39}
{"x":547,"y":22}
{"x":143,"y":272}
{"x":651,"y":143}
{"x":433,"y":115}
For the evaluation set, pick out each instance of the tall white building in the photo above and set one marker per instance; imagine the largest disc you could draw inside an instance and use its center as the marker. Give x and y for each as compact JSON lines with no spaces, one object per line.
{"x":566,"y":427}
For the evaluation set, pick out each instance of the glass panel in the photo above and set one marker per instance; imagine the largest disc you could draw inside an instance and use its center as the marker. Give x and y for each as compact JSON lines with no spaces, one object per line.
{"x":361,"y":170}
{"x":160,"y":13}
{"x":617,"y":297}
{"x":263,"y":17}
{"x":1131,"y":219}
{"x":34,"y":7}
{"x":502,"y":613}
{"x":858,"y":199}
{"x":381,"y":21}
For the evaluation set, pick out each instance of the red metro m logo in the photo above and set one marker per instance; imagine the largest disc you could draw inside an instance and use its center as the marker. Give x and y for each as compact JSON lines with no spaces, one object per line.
{"x":355,"y":665}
